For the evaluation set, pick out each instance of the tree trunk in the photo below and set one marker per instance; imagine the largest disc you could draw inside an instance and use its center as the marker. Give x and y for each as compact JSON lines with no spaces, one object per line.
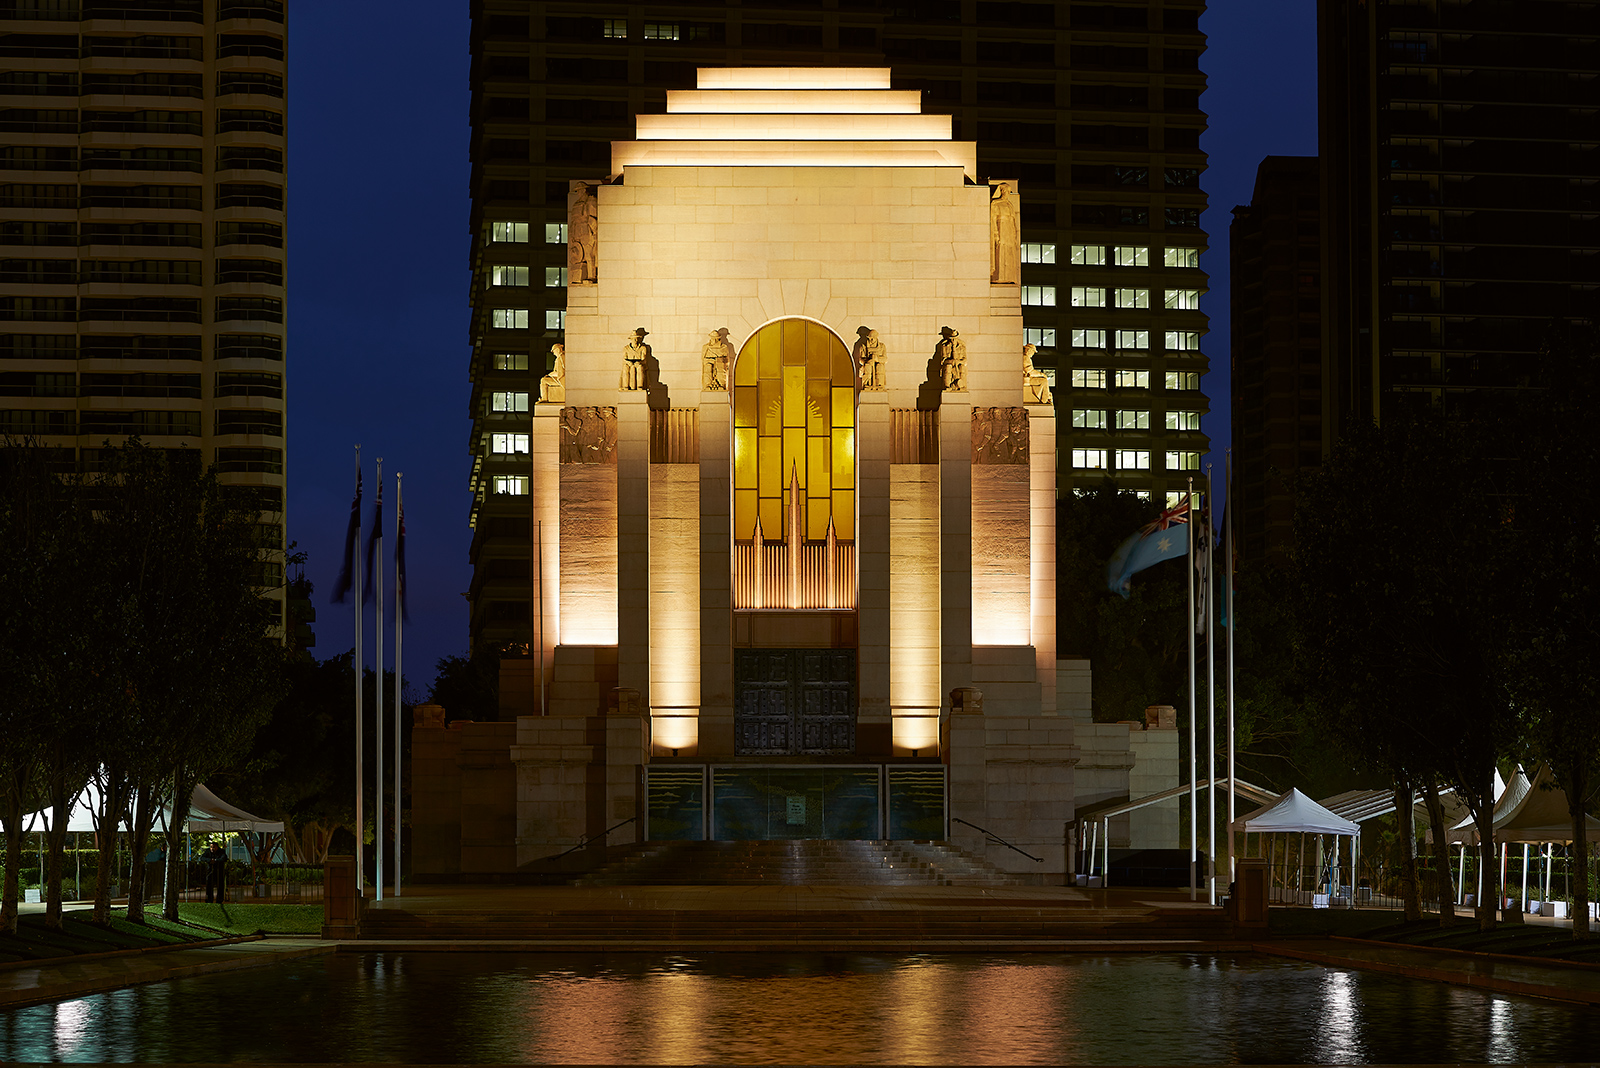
{"x":1410,"y":891}
{"x":1577,"y":784}
{"x":1492,"y":897}
{"x":182,"y":793}
{"x":9,"y":894}
{"x":1444,"y":885}
{"x":113,"y":797}
{"x":56,"y":844}
{"x":138,"y":845}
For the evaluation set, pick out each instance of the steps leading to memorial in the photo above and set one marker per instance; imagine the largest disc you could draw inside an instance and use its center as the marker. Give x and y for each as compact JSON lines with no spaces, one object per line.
{"x":798,"y":863}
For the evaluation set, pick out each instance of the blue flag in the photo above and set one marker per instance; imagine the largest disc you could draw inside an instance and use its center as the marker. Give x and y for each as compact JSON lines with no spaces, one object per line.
{"x":1164,"y":539}
{"x":341,"y":589}
{"x":372,"y":545}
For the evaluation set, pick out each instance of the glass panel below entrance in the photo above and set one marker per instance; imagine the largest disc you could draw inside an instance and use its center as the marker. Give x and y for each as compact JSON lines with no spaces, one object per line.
{"x":754,"y":802}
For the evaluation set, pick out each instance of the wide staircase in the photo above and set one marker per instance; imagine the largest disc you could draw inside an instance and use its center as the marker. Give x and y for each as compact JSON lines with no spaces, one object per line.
{"x":798,"y":863}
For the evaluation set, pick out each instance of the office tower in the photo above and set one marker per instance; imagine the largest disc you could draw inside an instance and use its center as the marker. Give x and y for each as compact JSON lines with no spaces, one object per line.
{"x":1460,"y":159}
{"x":142,"y":234}
{"x":1275,"y":268}
{"x":1093,"y":108}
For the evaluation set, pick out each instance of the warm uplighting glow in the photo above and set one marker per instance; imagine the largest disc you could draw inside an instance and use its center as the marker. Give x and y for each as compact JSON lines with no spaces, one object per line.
{"x":674,"y":731}
{"x":916,"y":732}
{"x":794,"y":101}
{"x":769,"y":127}
{"x":793,"y":78}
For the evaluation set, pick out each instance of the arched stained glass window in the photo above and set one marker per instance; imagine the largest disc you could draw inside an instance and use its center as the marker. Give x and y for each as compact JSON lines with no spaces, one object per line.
{"x":794,"y":468}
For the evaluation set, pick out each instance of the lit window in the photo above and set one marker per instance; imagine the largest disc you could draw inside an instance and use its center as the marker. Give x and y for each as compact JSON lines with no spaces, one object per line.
{"x":1040,"y":296}
{"x":555,"y":276}
{"x":508,"y":276}
{"x":509,"y":318}
{"x":1183,"y":341}
{"x":555,"y":319}
{"x":1133,"y":298}
{"x":1133,"y":459}
{"x":1132,"y":420}
{"x":1183,"y":299}
{"x":508,"y":444}
{"x":1092,"y":459}
{"x":1131,"y":256}
{"x":1089,"y":418}
{"x":1183,"y":257}
{"x":1089,"y":255}
{"x":1088,"y":297}
{"x":555,"y":233}
{"x":1183,"y":420}
{"x":1088,"y":339}
{"x":1042,"y":336}
{"x":1133,"y":379}
{"x":515,"y":485}
{"x":511,"y":361}
{"x":1183,"y":461}
{"x":1143,"y":495}
{"x":616,"y":28}
{"x":508,"y":402}
{"x":509,"y":232}
{"x":1133,"y":339}
{"x":1090,"y":379}
{"x":1175,"y":497}
{"x":661,"y":31}
{"x":1033,"y":252}
{"x":1183,"y":379}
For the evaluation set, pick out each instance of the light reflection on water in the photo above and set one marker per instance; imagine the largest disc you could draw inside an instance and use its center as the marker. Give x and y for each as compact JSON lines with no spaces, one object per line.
{"x":788,"y":1008}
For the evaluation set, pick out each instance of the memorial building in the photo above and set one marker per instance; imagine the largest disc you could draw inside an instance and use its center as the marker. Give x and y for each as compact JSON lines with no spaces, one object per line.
{"x":792,"y":482}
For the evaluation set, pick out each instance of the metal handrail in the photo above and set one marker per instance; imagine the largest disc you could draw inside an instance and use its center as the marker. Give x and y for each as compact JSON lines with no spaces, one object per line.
{"x":995,"y":837}
{"x":586,"y":840}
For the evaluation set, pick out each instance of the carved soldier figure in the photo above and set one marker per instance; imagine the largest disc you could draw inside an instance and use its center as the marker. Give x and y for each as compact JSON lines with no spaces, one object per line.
{"x":951,"y":352}
{"x":871,"y":355}
{"x":572,"y":435}
{"x":1035,"y":386}
{"x":1018,"y":435}
{"x":582,"y":228}
{"x":553,"y":386}
{"x":716,"y":354}
{"x":633,"y":360}
{"x":1005,"y":264}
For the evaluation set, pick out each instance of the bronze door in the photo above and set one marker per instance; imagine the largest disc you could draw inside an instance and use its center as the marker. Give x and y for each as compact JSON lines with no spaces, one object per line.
{"x":789,"y":702}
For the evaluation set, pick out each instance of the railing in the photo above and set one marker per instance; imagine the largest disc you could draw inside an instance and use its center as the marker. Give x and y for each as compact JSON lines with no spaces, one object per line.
{"x":991,"y":836}
{"x":585,"y":840}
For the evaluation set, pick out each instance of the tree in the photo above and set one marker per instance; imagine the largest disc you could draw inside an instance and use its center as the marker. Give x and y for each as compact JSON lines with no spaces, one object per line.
{"x":1401,"y":557}
{"x":469,"y":686}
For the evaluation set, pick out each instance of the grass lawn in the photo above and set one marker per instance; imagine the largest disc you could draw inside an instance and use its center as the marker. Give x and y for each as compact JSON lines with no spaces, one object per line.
{"x":239,"y":918}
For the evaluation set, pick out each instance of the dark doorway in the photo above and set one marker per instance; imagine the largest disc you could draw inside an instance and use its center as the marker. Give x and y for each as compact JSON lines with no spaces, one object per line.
{"x":789,"y":702}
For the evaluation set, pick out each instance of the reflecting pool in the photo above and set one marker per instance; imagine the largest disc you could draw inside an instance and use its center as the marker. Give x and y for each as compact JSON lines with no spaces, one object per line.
{"x":801,"y":1007}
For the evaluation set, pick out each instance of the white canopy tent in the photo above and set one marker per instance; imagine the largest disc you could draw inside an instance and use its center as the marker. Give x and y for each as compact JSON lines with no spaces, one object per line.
{"x":1295,"y":813}
{"x":1528,"y":812}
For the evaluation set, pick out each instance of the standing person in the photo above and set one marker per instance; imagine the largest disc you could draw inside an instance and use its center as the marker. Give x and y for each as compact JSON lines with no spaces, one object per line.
{"x":216,"y":862}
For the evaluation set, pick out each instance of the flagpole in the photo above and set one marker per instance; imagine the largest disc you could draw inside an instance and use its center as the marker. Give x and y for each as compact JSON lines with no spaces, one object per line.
{"x":377,"y":711}
{"x":1233,"y":632}
{"x":1194,"y":800}
{"x":361,"y":856}
{"x":1211,"y":694}
{"x":399,"y":678}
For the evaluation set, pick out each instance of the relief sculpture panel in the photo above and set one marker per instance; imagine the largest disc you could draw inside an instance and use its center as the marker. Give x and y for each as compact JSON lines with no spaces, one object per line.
{"x":999,"y":435}
{"x":588,"y":435}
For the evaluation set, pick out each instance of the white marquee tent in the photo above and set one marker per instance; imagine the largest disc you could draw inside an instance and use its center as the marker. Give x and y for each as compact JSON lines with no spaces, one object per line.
{"x":1295,"y":813}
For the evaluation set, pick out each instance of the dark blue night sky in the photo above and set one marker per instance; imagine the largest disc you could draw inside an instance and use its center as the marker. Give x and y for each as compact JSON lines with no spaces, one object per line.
{"x":378,"y":269}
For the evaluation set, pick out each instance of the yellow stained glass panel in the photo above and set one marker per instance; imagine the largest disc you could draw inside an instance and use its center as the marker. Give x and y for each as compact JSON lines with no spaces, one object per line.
{"x":746,"y":410}
{"x":771,"y":351}
{"x":770,"y":475}
{"x":819,"y":414}
{"x":844,"y":459}
{"x":794,"y":458}
{"x":769,"y":401}
{"x":794,"y":397}
{"x":819,"y":351}
{"x":744,"y":514}
{"x":748,"y":364}
{"x":794,"y":342}
{"x":745,"y":472}
{"x":844,"y":406}
{"x":817,"y":511}
{"x":844,"y":514}
{"x":818,"y":467}
{"x":844,"y":367}
{"x":770,"y":511}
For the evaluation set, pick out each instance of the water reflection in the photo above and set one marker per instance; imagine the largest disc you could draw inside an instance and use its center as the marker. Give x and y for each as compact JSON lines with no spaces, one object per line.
{"x":775,"y":1008}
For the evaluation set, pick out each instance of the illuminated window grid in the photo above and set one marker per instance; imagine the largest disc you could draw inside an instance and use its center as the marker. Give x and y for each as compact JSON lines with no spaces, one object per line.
{"x":794,"y":419}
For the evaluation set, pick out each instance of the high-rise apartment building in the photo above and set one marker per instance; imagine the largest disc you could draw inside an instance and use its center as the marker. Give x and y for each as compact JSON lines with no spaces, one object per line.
{"x":1275,"y":349}
{"x":1460,"y":147}
{"x":142,"y":233}
{"x":1093,"y":107}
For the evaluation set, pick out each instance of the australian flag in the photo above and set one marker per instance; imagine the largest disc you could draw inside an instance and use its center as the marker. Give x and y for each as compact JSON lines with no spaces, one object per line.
{"x":341,"y":589}
{"x":1163,"y":539}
